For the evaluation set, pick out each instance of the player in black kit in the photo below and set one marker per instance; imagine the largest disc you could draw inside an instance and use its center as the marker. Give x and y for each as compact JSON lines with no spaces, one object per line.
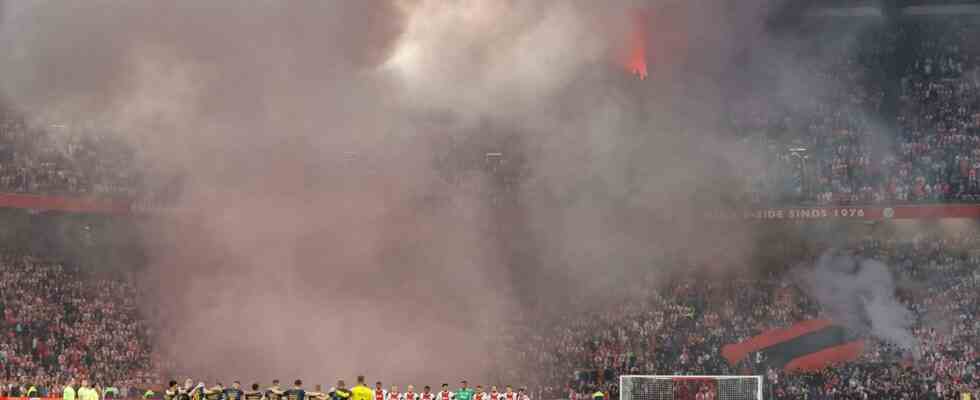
{"x":234,"y":392}
{"x":171,"y":392}
{"x":297,"y":392}
{"x":255,"y":393}
{"x":217,"y":392}
{"x":274,"y":392}
{"x":189,"y":391}
{"x":317,"y":393}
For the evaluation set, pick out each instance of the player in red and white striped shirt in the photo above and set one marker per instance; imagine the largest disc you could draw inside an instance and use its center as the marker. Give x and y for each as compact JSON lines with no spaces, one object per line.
{"x":445,"y":394}
{"x":509,"y":394}
{"x":410,"y":393}
{"x":393,"y":394}
{"x":494,"y":394}
{"x":427,"y":394}
{"x":479,"y":394}
{"x":379,"y":392}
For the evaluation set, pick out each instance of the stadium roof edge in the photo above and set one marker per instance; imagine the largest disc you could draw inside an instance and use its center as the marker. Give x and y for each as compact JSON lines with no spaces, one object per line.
{"x":866,"y":11}
{"x":955,"y":9}
{"x":908,"y":11}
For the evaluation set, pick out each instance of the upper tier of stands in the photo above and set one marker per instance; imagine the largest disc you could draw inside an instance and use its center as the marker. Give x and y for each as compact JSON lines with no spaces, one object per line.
{"x":47,"y":160}
{"x":887,"y":114}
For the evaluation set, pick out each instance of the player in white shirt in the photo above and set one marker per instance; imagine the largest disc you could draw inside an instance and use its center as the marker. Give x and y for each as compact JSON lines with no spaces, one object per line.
{"x":410,"y":393}
{"x":494,"y":394}
{"x":479,"y":394}
{"x":379,"y":392}
{"x":509,"y":394}
{"x":445,"y":394}
{"x":522,"y":394}
{"x":427,"y":394}
{"x":393,"y":394}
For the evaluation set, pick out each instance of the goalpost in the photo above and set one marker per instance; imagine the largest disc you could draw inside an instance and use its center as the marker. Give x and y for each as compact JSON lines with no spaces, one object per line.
{"x":686,"y":387}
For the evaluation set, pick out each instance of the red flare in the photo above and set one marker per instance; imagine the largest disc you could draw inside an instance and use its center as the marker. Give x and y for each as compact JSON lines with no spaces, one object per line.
{"x":636,"y":62}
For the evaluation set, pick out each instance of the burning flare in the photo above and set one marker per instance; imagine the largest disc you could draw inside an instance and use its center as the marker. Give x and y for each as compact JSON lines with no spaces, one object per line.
{"x":636,"y":62}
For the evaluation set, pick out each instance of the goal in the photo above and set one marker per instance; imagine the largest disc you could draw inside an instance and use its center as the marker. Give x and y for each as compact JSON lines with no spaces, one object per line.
{"x":687,"y":387}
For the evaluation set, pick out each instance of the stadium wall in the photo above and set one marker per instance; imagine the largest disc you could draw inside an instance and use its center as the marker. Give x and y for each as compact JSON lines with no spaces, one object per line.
{"x":932,"y":211}
{"x":951,"y":211}
{"x":66,"y":204}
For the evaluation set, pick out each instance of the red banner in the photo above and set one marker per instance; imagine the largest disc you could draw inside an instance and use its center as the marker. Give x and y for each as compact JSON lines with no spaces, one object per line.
{"x":938,"y":211}
{"x":66,"y":204}
{"x":966,"y":211}
{"x":807,"y":345}
{"x":737,"y":351}
{"x":30,"y":398}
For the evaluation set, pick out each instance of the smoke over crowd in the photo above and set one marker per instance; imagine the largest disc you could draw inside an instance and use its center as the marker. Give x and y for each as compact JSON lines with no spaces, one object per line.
{"x":380,"y":187}
{"x":860,"y":294}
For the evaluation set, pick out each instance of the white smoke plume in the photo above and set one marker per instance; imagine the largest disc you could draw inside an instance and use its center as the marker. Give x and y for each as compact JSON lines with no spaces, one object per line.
{"x":860,"y":295}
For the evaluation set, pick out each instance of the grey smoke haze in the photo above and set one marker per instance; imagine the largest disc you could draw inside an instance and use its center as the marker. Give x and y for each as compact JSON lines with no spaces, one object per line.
{"x":343,"y":218}
{"x":860,"y":295}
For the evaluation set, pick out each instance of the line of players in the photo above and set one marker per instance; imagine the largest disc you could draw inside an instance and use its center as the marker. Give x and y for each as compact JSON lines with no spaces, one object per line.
{"x":189,"y":391}
{"x":445,"y":394}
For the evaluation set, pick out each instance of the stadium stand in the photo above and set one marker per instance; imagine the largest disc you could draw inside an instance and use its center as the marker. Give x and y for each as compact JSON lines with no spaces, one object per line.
{"x":61,"y":322}
{"x":939,"y":118}
{"x":896,"y":122}
{"x":56,"y":160}
{"x":898,"y":125}
{"x":56,"y":316}
{"x":679,"y":329}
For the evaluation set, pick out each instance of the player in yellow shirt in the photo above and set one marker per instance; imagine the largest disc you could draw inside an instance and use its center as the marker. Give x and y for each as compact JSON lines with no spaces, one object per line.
{"x":361,"y":391}
{"x":69,"y":392}
{"x":86,"y":392}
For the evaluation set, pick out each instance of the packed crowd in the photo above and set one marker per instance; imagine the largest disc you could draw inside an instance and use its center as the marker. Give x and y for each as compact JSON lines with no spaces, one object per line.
{"x":884,"y":113}
{"x":939,"y":118}
{"x":841,"y":143}
{"x":55,"y":160}
{"x":680,"y":329}
{"x":58,"y":323}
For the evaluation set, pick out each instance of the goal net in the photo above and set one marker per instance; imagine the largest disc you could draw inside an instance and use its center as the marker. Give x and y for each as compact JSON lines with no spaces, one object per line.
{"x":681,"y":387}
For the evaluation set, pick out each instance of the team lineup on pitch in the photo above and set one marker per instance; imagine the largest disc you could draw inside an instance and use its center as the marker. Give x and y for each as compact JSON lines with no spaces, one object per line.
{"x":190,"y":391}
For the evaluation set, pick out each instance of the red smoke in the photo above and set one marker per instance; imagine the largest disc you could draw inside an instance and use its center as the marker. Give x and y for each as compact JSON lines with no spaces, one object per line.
{"x":636,"y":60}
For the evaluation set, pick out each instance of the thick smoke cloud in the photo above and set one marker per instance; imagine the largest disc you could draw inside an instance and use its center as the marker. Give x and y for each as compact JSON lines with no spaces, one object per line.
{"x":860,"y":294}
{"x":341,"y":213}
